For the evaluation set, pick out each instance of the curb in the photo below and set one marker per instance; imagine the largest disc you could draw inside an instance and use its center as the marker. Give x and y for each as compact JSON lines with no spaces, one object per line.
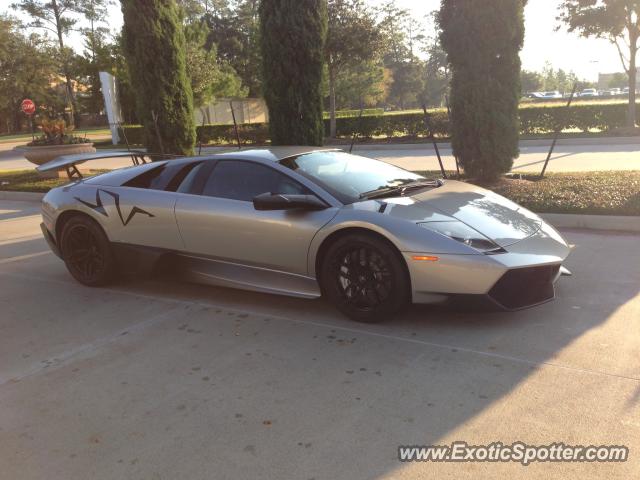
{"x":21,"y":196}
{"x":593,"y":222}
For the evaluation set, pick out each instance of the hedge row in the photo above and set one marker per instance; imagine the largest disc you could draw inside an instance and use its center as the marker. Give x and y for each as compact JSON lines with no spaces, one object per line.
{"x":208,"y":134}
{"x":533,"y":120}
{"x":603,"y":117}
{"x":356,"y":113}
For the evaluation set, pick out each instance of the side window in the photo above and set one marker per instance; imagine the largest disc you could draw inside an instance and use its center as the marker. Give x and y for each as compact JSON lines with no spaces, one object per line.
{"x":244,"y":181}
{"x":187,"y":185}
{"x":166,"y":177}
{"x":147,"y":179}
{"x":180,"y":177}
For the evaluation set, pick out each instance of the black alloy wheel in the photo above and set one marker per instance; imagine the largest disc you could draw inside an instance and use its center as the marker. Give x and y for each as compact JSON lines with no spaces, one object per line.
{"x":87,"y":252}
{"x":365,"y":278}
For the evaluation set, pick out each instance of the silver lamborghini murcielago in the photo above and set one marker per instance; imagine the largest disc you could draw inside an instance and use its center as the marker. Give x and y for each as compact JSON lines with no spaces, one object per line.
{"x":368,"y":236}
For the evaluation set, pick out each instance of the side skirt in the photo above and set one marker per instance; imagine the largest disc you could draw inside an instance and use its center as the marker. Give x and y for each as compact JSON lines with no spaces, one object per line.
{"x":135,"y":259}
{"x":246,"y":277}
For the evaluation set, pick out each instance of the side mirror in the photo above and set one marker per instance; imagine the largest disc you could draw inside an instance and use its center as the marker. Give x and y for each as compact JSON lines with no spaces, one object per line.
{"x":283,"y":201}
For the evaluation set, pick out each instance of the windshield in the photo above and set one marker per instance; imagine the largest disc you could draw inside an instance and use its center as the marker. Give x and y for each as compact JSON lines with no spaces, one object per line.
{"x":349,"y":177}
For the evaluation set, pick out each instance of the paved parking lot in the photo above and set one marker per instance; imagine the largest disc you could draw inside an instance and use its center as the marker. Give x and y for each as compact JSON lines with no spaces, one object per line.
{"x":153,"y":379}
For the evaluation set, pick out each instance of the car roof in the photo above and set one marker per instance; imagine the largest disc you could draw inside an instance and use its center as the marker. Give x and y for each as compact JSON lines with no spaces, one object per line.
{"x":274,"y":154}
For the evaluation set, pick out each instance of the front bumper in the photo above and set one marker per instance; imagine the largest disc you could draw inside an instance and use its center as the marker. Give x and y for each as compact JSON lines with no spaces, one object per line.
{"x":522,"y":277}
{"x":50,"y":240}
{"x":525,"y":287}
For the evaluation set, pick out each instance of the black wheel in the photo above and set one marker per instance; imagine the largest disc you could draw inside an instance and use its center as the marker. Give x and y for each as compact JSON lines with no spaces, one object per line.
{"x":365,"y":278}
{"x":87,"y":252}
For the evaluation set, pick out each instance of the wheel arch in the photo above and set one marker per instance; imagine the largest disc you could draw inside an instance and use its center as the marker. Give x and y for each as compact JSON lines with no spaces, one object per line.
{"x":67,"y":215}
{"x":349,"y":230}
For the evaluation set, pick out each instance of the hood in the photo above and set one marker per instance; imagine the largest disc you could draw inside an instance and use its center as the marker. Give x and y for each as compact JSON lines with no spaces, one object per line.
{"x":494,"y":216}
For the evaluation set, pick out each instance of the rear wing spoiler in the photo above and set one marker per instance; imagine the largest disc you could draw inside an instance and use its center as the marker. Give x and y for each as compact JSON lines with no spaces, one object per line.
{"x":70,"y":162}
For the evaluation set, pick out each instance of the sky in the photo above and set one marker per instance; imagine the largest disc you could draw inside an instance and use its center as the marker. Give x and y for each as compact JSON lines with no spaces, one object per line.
{"x":584,"y":56}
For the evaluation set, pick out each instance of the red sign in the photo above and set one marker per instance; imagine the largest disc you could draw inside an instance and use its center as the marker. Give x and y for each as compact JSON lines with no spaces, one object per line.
{"x":28,"y":106}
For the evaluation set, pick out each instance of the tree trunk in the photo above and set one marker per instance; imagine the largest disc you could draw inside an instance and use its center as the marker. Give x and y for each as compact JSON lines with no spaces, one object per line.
{"x":633,"y":50}
{"x":65,"y":66}
{"x":332,"y":101}
{"x":17,"y":118}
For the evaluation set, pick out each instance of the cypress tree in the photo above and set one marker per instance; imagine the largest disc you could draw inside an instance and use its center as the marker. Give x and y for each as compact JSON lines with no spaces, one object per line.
{"x":483,"y":41}
{"x":154,"y":46}
{"x":293,"y":33}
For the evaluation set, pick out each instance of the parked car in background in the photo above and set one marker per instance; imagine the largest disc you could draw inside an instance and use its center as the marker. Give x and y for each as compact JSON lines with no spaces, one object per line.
{"x":612,"y":92}
{"x":589,"y":92}
{"x":546,"y":95}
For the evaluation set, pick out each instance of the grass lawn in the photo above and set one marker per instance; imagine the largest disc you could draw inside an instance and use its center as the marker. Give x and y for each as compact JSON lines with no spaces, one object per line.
{"x":80,"y":132}
{"x":592,"y":193}
{"x":598,"y":193}
{"x":31,"y":181}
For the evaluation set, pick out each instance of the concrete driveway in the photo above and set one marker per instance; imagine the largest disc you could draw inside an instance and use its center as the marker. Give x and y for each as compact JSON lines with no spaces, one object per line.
{"x":161,"y":380}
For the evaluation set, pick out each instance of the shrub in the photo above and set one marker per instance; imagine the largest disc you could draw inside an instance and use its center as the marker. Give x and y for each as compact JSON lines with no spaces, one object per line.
{"x":154,"y":47}
{"x":56,"y":132}
{"x":250,"y":133}
{"x":545,"y":119}
{"x":404,"y":125}
{"x":482,"y":41}
{"x":292,"y":37}
{"x":356,"y":113}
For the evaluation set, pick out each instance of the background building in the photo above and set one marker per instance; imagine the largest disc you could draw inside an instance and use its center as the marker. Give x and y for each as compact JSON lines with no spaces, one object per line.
{"x":616,"y":80}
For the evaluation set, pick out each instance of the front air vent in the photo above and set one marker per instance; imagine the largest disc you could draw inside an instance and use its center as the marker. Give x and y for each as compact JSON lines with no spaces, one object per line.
{"x":525,"y":287}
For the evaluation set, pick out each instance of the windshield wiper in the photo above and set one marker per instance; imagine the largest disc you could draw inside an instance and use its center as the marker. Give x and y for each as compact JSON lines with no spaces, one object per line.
{"x":380,"y":191}
{"x":401,"y":189}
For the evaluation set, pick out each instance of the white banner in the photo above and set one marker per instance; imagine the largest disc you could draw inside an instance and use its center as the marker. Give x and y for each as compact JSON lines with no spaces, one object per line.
{"x":111,"y":103}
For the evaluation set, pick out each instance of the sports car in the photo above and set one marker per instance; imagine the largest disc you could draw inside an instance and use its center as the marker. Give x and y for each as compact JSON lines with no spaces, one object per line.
{"x":368,"y":236}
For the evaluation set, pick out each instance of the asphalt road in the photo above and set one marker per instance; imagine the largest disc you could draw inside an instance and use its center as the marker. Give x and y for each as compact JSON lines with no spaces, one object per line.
{"x":153,"y":379}
{"x":566,"y":158}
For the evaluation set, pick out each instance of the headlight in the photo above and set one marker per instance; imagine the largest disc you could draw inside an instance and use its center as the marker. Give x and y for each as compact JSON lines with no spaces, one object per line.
{"x":462,"y":233}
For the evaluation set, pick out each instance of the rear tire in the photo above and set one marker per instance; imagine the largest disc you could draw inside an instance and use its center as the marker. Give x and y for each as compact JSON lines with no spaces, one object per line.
{"x":87,"y":252}
{"x":365,"y":278}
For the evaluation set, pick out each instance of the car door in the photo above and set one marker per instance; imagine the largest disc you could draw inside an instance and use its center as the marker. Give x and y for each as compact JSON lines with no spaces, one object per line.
{"x":221,"y":222}
{"x":140,"y":211}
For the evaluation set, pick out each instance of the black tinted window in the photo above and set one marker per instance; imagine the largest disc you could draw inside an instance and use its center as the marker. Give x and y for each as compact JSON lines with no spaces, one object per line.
{"x":148,"y":179}
{"x":187,"y":184}
{"x":179,"y":177}
{"x":167,"y":176}
{"x":245,"y":180}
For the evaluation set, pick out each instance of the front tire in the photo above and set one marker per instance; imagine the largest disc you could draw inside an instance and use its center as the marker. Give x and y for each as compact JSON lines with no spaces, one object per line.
{"x":87,"y":252}
{"x":365,"y":278}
